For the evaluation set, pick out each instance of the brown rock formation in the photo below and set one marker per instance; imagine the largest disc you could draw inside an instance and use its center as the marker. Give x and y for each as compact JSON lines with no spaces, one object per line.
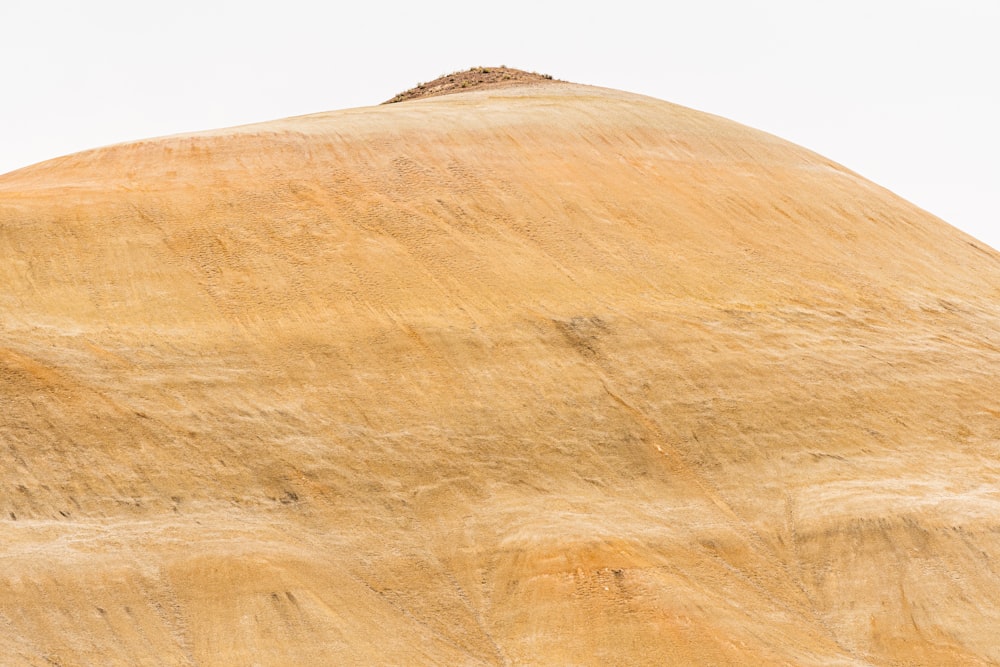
{"x":547,"y":375}
{"x":475,"y":78}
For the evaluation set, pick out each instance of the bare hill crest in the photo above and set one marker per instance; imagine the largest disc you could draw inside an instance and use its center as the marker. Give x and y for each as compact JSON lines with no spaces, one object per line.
{"x":474,"y":78}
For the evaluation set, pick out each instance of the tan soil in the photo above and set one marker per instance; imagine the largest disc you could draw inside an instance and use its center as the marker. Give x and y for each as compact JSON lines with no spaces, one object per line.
{"x":557,"y":375}
{"x":476,"y":78}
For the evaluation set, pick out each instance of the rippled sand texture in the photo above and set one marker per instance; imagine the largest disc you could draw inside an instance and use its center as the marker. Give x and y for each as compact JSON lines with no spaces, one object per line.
{"x":551,"y":375}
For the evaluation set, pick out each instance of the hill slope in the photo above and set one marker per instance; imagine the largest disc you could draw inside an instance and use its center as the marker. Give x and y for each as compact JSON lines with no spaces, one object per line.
{"x":550,"y":375}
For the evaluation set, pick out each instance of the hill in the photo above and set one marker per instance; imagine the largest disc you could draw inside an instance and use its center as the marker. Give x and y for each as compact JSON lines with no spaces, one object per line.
{"x":530,"y":375}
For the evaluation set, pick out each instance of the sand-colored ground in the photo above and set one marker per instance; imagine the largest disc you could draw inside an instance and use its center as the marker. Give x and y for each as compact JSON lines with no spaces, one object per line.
{"x":550,"y":375}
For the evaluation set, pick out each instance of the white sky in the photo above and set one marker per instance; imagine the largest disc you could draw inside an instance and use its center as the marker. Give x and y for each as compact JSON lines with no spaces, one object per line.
{"x":907,"y":93}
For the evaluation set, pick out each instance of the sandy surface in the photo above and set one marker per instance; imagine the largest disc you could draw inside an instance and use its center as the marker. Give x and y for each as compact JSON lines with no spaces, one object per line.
{"x":549,"y":375}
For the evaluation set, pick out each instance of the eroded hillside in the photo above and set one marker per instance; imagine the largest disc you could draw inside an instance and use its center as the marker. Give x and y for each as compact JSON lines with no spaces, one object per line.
{"x":547,"y":375}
